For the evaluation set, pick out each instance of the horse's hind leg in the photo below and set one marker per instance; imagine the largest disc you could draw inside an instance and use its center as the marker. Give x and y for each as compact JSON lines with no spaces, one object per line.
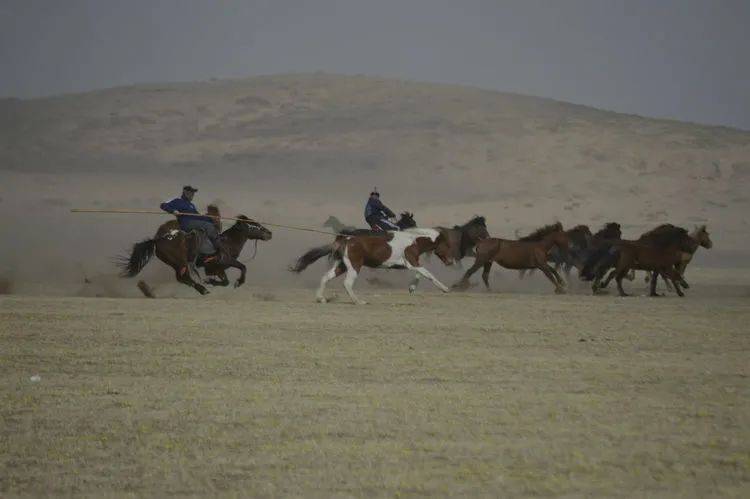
{"x":486,"y":275}
{"x":349,"y":280}
{"x":183,"y":276}
{"x":464,"y":282}
{"x":335,"y":271}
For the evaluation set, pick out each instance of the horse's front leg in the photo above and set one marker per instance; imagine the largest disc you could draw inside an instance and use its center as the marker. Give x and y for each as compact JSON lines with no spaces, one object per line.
{"x":221,"y":275}
{"x":236,"y":264}
{"x":426,"y":273}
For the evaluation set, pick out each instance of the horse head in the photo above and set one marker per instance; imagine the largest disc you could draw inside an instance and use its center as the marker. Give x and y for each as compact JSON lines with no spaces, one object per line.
{"x":406,"y":221}
{"x":474,"y":230}
{"x":252,"y":229}
{"x":702,"y":237}
{"x":443,"y":248}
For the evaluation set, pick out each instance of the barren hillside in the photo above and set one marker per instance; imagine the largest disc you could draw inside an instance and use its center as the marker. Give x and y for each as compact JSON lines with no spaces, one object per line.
{"x":296,"y":148}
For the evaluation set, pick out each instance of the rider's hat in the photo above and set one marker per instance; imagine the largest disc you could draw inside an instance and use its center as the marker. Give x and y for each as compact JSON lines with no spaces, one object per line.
{"x":189,"y":188}
{"x":375,"y":192}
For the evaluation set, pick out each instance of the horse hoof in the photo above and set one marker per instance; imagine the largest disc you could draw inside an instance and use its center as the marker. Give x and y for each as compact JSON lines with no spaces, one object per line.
{"x":559,"y":291}
{"x":361,"y":302}
{"x":321,"y":299}
{"x":238,"y":284}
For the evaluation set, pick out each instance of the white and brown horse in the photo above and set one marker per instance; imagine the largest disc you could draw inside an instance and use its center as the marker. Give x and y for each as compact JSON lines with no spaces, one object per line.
{"x":396,"y":250}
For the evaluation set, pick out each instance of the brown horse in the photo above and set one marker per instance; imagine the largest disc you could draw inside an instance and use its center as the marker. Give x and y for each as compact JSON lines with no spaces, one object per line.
{"x":462,"y":240}
{"x":665,"y":250}
{"x":518,"y":255}
{"x":700,"y":237}
{"x":179,"y":250}
{"x":580,"y":237}
{"x":395,"y":250}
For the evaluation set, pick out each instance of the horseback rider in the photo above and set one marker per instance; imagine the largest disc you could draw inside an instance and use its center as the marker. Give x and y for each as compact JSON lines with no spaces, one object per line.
{"x":205,"y":223}
{"x":377,"y":214}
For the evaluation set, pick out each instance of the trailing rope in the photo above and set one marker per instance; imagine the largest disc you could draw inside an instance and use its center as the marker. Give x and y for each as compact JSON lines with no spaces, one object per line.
{"x":149,"y":212}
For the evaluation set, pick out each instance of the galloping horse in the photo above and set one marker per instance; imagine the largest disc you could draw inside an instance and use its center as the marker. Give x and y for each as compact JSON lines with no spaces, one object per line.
{"x":179,"y":250}
{"x":664,"y":251}
{"x":462,"y":239}
{"x":699,"y":236}
{"x":513,"y":254}
{"x":394,"y":250}
{"x":580,"y":237}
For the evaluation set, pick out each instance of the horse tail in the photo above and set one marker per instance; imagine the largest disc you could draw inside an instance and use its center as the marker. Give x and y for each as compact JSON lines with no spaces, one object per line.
{"x":598,"y":261}
{"x":139,"y":257}
{"x":311,"y":256}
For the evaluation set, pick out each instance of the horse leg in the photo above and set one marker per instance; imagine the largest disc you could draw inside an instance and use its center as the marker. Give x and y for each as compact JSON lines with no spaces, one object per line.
{"x":335,"y":271}
{"x":464,"y":282}
{"x":221,"y":275}
{"x":414,"y":283}
{"x":555,"y":273}
{"x":426,"y":273}
{"x":676,"y":278}
{"x":654,"y":278}
{"x":236,"y":264}
{"x":486,"y":274}
{"x":609,"y":278}
{"x":350,"y":279}
{"x":550,"y":273}
{"x":680,"y":268}
{"x":183,"y":276}
{"x":618,"y":278}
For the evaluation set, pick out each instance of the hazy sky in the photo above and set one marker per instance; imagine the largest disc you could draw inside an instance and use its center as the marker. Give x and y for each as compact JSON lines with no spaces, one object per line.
{"x":683,"y":59}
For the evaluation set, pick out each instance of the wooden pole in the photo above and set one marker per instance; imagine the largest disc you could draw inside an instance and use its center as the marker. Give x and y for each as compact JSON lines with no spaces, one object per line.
{"x":151,"y":212}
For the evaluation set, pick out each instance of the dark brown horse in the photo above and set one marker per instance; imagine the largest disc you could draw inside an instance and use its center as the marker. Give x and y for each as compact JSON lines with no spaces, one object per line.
{"x":699,"y":236}
{"x":665,"y":250}
{"x":462,"y":240}
{"x":518,"y":255}
{"x":179,"y":250}
{"x":395,"y":250}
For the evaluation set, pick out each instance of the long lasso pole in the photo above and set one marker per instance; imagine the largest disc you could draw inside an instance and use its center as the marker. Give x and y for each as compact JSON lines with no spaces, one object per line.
{"x":150,"y":212}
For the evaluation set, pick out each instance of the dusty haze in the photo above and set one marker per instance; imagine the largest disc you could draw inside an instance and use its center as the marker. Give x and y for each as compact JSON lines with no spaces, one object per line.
{"x":294,"y":149}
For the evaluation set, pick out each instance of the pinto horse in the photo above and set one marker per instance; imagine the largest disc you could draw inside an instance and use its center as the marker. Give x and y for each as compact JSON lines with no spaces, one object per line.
{"x":395,"y":250}
{"x":179,"y":250}
{"x":518,"y":255}
{"x":462,"y":239}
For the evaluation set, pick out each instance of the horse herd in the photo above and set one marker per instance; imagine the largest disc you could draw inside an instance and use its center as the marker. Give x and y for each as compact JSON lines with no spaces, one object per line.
{"x":598,"y":257}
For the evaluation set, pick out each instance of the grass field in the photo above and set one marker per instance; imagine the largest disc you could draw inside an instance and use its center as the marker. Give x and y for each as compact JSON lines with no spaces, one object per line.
{"x":267,"y":393}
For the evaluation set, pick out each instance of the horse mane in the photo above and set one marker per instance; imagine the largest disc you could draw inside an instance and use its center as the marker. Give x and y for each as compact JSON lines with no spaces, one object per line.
{"x":665,"y":234}
{"x":477,"y":220}
{"x":541,"y":232}
{"x":699,"y":229}
{"x":611,"y":230}
{"x":581,"y":228}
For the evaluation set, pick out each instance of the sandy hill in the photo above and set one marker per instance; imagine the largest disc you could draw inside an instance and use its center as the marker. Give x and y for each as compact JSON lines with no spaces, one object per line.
{"x":296,"y":148}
